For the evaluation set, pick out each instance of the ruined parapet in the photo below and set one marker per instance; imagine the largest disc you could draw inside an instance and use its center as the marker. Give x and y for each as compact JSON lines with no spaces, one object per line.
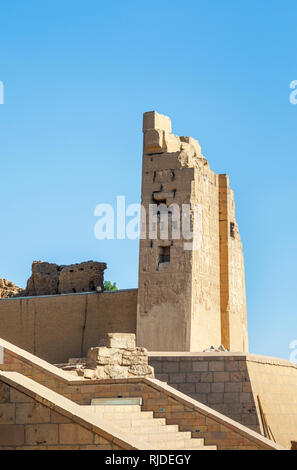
{"x":52,"y":279}
{"x":184,"y":283}
{"x":9,"y":289}
{"x":117,"y":357}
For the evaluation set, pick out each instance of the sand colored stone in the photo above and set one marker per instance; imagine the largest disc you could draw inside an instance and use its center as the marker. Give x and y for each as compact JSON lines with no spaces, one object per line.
{"x":61,"y":392}
{"x":51,"y":279}
{"x":190,"y":296}
{"x":9,"y":289}
{"x":119,"y":358}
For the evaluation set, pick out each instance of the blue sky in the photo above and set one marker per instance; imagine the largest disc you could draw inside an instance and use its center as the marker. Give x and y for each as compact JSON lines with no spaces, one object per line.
{"x":79,"y":74}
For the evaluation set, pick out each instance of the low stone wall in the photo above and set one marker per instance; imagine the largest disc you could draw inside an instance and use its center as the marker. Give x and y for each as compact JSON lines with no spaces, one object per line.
{"x":58,"y":327}
{"x":231,"y":383}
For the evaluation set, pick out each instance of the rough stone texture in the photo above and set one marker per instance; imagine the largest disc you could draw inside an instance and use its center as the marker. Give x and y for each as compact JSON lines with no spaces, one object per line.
{"x":9,"y":289}
{"x":185,"y":289}
{"x":110,"y":362}
{"x":52,"y":279}
{"x":119,"y":340}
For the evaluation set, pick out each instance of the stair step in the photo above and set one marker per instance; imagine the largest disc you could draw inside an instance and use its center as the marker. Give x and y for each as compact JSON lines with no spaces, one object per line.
{"x":182,"y":444}
{"x":134,"y":423}
{"x":115,"y":408}
{"x":152,"y":428}
{"x":164,"y":437}
{"x":135,"y":415}
{"x":142,"y":424}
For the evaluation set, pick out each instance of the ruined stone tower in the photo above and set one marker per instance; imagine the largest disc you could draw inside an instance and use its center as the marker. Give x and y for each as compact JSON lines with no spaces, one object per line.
{"x":191,"y":282}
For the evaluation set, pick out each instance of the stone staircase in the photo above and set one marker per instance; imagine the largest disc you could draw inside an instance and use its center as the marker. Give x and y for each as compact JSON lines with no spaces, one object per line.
{"x":143,"y":425}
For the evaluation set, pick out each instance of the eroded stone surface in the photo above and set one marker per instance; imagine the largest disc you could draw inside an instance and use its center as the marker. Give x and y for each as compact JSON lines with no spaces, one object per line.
{"x":9,"y":289}
{"x":118,"y":340}
{"x":110,"y":362}
{"x":191,"y":289}
{"x":52,"y":279}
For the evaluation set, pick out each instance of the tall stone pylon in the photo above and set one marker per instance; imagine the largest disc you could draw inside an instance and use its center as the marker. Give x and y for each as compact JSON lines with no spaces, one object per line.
{"x":191,"y":274}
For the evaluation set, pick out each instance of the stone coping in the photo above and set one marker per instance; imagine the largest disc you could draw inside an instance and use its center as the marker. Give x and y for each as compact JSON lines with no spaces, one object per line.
{"x":75,"y":412}
{"x":175,"y":356}
{"x":30,"y":359}
{"x":67,"y":295}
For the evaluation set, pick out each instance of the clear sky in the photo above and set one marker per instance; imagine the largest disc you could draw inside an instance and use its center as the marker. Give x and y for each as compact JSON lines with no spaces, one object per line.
{"x":77,"y":77}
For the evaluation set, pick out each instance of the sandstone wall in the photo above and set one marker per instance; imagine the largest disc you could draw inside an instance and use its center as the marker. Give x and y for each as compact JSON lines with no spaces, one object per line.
{"x":231,"y":383}
{"x":233,"y":298}
{"x":56,"y":328}
{"x":187,"y":289}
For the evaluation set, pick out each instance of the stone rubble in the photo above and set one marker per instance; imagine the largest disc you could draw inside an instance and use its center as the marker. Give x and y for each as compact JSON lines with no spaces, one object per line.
{"x":117,"y":357}
{"x":9,"y":289}
{"x":213,"y":349}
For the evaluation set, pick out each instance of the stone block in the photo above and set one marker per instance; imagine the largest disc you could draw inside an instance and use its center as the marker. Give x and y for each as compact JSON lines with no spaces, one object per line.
{"x":216,"y":366}
{"x":4,"y":393}
{"x":119,"y":341}
{"x":154,"y":120}
{"x":11,"y":435}
{"x":117,"y":372}
{"x":136,"y":357}
{"x":177,"y":378}
{"x":103,"y":356}
{"x":154,"y":141}
{"x":75,"y":434}
{"x":221,"y":376}
{"x":19,"y":397}
{"x":42,"y":434}
{"x":233,"y":387}
{"x":200,"y":366}
{"x":7,"y":413}
{"x":32,"y":413}
{"x":141,"y":371}
{"x":218,"y":387}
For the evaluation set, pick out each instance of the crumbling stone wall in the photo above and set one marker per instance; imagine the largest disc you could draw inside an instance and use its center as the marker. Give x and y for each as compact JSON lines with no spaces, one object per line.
{"x":116,"y":357}
{"x":52,"y":279}
{"x":185,"y":288}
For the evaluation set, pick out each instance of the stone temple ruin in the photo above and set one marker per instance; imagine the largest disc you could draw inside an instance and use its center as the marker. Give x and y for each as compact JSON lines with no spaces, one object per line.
{"x":164,"y":366}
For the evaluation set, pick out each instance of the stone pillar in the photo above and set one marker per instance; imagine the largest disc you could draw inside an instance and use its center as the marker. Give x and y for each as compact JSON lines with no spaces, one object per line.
{"x":179,"y":284}
{"x":232,"y":278}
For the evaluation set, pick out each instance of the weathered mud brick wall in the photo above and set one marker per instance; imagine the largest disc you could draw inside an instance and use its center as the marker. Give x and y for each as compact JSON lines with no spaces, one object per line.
{"x":51,"y":279}
{"x":181,"y":284}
